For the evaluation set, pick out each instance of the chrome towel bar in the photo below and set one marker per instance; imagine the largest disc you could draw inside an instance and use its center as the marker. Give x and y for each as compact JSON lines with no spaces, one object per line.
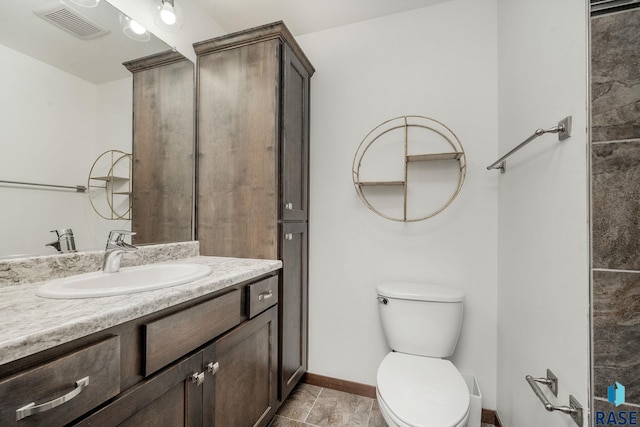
{"x":574,"y":409}
{"x":77,"y":188}
{"x":563,"y":130}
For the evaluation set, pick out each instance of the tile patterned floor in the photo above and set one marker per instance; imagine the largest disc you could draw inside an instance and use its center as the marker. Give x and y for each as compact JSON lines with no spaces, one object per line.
{"x":309,"y":405}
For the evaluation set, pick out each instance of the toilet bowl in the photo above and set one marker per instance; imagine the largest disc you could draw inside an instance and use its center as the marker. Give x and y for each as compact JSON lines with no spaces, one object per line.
{"x":421,"y":391}
{"x":416,"y":386}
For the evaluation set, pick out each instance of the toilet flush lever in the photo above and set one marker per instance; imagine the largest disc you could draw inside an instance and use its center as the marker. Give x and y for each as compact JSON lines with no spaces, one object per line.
{"x":383,"y":300}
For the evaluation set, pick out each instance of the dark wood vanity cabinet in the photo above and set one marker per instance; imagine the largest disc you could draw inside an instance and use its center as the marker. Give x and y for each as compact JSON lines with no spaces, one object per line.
{"x":231,"y":382}
{"x":209,"y":362}
{"x":253,"y":167}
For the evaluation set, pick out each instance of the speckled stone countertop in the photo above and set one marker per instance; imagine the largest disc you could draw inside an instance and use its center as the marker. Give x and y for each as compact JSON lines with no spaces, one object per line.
{"x":30,"y":324}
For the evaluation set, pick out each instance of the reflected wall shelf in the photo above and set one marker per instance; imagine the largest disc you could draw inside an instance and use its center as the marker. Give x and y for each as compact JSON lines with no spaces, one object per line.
{"x":379,"y":183}
{"x":110,"y":178}
{"x":103,"y":187}
{"x":428,"y":129}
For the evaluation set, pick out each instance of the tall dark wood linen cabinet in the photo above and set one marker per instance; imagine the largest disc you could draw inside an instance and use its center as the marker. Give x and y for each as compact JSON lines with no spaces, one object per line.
{"x":163,"y":148}
{"x":253,"y":167}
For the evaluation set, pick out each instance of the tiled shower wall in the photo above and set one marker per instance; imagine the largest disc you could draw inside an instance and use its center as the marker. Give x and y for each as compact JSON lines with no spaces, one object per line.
{"x":615,"y":168}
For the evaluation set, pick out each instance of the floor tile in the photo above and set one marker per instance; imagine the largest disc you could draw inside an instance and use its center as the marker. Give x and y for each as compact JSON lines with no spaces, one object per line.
{"x":338,"y":409}
{"x":311,"y":406}
{"x":375,"y":418}
{"x":279,"y":421}
{"x":300,"y":401}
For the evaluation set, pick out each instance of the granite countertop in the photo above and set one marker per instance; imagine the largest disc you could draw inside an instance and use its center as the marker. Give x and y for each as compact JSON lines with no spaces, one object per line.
{"x":31,"y":323}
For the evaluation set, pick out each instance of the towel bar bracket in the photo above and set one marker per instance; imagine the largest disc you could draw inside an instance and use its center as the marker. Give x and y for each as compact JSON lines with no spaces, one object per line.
{"x":564,"y":128}
{"x":577,"y":407}
{"x":552,"y":382}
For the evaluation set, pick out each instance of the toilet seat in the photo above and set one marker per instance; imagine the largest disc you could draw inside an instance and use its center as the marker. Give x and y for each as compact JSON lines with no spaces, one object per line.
{"x":422,"y":391}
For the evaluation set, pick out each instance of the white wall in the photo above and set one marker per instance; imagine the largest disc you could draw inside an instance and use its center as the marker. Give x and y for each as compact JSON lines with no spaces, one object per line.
{"x":50,"y":129}
{"x":441,"y":62}
{"x":543,"y":292}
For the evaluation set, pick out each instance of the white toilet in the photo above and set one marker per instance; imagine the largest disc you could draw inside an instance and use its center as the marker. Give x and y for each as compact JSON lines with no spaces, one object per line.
{"x":416,"y":387}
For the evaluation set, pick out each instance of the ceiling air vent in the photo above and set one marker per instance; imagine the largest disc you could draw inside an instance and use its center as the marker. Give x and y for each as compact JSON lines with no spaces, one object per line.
{"x":71,"y":21}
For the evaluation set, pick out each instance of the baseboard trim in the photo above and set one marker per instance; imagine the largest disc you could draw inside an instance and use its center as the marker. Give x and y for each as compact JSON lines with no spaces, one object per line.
{"x":489,"y":416}
{"x":340,"y":385}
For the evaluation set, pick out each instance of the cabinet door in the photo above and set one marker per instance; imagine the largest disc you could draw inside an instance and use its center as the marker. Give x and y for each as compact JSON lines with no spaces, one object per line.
{"x":293,"y":307}
{"x":169,"y":399}
{"x":237,"y":207}
{"x":295,"y":138}
{"x":244,"y":369}
{"x":163,"y":149}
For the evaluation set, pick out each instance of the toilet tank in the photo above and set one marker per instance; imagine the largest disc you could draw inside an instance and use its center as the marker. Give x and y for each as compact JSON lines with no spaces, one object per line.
{"x":420,"y":318}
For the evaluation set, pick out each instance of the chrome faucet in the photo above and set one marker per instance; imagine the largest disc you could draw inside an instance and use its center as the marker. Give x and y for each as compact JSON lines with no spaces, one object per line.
{"x":116,"y":246}
{"x":65,"y":242}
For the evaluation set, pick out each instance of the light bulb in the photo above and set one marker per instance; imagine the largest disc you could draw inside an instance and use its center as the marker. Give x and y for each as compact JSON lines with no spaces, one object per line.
{"x":167,"y":14}
{"x":137,"y":28}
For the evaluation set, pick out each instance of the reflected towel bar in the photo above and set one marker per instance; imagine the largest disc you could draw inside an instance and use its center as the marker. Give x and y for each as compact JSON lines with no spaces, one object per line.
{"x":574,"y":409}
{"x":563,"y":130}
{"x":77,"y":188}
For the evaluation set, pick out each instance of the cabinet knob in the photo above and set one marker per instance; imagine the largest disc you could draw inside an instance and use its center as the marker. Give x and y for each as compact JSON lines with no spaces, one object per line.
{"x":213,"y":367}
{"x":197,"y":378}
{"x":288,"y":206}
{"x":288,"y":236}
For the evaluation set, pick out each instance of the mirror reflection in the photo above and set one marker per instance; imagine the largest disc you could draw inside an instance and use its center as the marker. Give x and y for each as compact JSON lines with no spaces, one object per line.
{"x":67,"y":99}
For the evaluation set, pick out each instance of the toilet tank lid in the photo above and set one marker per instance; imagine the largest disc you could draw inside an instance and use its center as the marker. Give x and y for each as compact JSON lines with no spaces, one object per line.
{"x":420,"y":291}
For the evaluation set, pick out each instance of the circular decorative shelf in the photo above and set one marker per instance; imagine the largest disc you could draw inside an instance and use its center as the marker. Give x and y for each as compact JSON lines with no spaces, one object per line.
{"x":415,"y":167}
{"x":109,"y":185}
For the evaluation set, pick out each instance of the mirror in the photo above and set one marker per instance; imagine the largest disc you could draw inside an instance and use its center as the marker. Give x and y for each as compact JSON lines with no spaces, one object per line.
{"x":66,"y":101}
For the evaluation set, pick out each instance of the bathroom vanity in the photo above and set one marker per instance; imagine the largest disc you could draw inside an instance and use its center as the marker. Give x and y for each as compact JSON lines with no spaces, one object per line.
{"x":202,"y":353}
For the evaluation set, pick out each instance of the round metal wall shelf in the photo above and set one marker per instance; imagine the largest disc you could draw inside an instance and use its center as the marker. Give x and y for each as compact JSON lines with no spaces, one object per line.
{"x":110,"y":181}
{"x":414,"y":133}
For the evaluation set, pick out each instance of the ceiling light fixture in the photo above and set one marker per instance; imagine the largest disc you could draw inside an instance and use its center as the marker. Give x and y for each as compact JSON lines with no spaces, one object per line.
{"x":133,"y":30}
{"x":169,"y":16}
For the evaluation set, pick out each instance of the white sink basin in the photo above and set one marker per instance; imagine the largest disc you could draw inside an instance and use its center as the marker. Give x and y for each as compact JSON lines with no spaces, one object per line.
{"x":127,"y":281}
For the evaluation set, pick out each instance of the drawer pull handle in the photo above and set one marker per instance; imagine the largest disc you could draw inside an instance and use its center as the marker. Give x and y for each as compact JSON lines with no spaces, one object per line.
{"x":32,"y":408}
{"x":197,"y":378}
{"x":288,"y":206}
{"x":265,"y":295}
{"x":288,"y":236}
{"x":213,"y":367}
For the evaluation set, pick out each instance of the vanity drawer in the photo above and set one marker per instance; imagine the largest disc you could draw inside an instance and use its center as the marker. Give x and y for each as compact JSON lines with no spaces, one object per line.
{"x":62,"y":390}
{"x":175,"y":335}
{"x":262,"y":295}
